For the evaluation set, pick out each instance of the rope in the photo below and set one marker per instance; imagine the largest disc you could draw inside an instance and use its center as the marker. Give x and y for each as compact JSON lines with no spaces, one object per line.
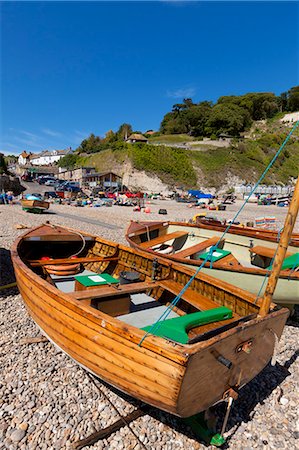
{"x":163,"y":316}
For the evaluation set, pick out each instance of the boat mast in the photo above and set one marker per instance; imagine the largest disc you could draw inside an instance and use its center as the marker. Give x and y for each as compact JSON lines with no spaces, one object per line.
{"x":281,"y":251}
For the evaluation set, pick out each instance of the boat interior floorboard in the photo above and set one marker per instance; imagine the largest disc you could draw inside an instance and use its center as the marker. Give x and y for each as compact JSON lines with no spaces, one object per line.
{"x":144,"y":311}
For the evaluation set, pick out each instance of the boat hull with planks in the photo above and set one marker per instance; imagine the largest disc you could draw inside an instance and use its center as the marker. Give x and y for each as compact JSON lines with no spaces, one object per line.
{"x":35,"y":206}
{"x":248,"y":253}
{"x":107,"y":328}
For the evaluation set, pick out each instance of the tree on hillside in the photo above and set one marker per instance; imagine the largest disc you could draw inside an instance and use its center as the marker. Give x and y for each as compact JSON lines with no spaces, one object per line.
{"x":110,"y":136}
{"x":92,"y":144}
{"x":293,"y":99}
{"x":260,"y":105}
{"x":197,"y":117}
{"x":227,"y":118}
{"x":3,"y":166}
{"x":124,"y":131}
{"x":68,"y":161}
{"x":173,"y":123}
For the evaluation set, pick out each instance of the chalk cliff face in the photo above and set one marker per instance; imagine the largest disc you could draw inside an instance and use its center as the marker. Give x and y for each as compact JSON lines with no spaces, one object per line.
{"x":8,"y":183}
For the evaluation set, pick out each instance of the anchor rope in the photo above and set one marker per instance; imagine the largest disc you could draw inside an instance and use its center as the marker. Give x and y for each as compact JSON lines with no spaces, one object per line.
{"x":169,"y":308}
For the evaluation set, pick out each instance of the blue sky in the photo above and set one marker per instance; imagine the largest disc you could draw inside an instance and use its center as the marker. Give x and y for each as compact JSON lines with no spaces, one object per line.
{"x":72,"y":68}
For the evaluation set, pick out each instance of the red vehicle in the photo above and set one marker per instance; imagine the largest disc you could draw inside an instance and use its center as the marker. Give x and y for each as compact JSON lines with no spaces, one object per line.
{"x":136,"y":195}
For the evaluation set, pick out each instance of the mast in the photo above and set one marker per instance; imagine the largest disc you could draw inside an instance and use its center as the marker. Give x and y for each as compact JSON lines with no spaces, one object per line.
{"x":281,"y":251}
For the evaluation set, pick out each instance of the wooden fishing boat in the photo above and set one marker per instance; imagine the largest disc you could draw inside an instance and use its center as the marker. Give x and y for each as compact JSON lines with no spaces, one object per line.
{"x":35,"y":206}
{"x":210,"y":223}
{"x":243,"y":256}
{"x":216,"y":338}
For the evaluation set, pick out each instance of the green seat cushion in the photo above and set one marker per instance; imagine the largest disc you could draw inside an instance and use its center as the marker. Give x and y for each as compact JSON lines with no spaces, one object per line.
{"x":177,"y":329}
{"x":96,"y":279}
{"x":291,"y":262}
{"x":215,"y":256}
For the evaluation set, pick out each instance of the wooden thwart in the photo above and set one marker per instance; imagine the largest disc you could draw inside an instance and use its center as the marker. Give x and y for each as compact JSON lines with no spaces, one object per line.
{"x":109,"y":291}
{"x":164,"y":238}
{"x":265,"y":251}
{"x":198,"y":247}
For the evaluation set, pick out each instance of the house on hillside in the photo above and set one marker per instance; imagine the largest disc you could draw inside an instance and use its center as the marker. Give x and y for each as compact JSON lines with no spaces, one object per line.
{"x":108,"y":181}
{"x":150,"y":132}
{"x":48,"y":157}
{"x":23,"y":158}
{"x":136,"y":137}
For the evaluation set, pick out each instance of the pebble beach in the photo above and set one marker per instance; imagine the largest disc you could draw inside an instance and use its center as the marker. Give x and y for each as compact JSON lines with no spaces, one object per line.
{"x":47,"y":402}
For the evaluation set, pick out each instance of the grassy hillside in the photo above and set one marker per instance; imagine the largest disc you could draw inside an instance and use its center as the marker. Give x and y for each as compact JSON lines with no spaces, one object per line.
{"x":244,"y":159}
{"x":171,"y":138}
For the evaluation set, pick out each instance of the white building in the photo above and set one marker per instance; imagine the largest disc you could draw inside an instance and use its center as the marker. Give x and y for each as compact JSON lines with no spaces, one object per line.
{"x":48,"y":157}
{"x":23,"y":159}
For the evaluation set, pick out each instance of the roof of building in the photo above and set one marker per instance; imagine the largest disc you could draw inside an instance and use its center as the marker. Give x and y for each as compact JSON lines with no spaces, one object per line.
{"x":136,"y":137}
{"x":49,"y":153}
{"x":24,"y":154}
{"x":101,"y":174}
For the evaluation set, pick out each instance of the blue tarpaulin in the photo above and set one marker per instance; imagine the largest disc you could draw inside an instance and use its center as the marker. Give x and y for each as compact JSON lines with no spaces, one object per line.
{"x":199,"y":194}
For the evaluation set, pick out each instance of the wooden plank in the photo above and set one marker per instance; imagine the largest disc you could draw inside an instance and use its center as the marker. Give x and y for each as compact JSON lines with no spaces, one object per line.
{"x":194,"y":298}
{"x":197,"y":247}
{"x":162,"y":239}
{"x":106,"y":432}
{"x":265,"y":251}
{"x":46,"y":262}
{"x":109,"y":291}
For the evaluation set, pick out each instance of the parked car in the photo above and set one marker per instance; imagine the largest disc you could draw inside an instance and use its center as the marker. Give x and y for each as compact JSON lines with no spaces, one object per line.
{"x":44,"y":179}
{"x":50,"y":183}
{"x":51,"y":194}
{"x":70,"y":186}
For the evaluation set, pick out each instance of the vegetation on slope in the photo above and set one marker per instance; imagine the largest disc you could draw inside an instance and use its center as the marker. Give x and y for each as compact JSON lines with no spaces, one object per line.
{"x":231,"y":114}
{"x":206,"y":166}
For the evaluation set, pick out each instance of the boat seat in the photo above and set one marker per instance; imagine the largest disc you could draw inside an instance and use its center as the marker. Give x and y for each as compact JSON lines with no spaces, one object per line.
{"x":190,"y":251}
{"x":66,"y":283}
{"x":177,"y":328}
{"x":265,"y":252}
{"x":291,"y":262}
{"x":262,"y":256}
{"x":165,"y":238}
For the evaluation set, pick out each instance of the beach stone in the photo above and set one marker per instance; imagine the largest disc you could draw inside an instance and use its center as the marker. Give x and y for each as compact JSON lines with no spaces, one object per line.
{"x":17,"y":435}
{"x":23,"y":426}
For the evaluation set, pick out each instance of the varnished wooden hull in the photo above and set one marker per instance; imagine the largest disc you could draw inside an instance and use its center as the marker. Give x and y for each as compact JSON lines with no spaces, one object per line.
{"x":34,"y":204}
{"x":180,"y":379}
{"x":248,"y":278}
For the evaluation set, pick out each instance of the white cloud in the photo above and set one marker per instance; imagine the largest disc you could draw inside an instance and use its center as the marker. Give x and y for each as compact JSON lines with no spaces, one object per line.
{"x":28,"y":142}
{"x":182,"y":93}
{"x":51,"y":132}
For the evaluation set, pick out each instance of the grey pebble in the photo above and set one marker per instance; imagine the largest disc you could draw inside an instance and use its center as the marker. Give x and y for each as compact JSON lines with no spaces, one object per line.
{"x":17,"y":435}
